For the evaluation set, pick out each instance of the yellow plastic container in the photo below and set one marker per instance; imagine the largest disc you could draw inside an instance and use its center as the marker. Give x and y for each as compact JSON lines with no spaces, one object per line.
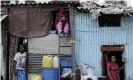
{"x":36,"y":77}
{"x":47,"y":61}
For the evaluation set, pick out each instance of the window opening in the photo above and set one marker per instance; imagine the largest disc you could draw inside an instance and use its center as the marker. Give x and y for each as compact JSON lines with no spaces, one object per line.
{"x":55,"y":21}
{"x":111,"y":20}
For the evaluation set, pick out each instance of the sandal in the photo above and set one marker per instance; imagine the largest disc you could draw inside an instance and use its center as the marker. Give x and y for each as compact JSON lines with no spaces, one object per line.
{"x":61,"y":34}
{"x":66,"y":34}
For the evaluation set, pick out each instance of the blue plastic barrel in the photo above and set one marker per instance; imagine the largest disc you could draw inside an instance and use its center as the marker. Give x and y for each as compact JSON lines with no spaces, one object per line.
{"x":50,"y":74}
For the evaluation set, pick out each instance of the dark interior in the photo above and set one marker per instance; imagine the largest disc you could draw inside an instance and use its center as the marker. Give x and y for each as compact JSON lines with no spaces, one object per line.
{"x":54,"y":12}
{"x":109,"y":20}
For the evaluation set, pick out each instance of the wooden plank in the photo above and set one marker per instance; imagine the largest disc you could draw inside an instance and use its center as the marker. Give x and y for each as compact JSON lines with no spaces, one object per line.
{"x":65,"y":41}
{"x":44,"y":45}
{"x":113,"y":48}
{"x":65,"y":50}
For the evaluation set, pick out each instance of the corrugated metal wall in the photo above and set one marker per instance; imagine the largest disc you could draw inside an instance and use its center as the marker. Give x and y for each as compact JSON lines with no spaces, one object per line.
{"x":90,"y":37}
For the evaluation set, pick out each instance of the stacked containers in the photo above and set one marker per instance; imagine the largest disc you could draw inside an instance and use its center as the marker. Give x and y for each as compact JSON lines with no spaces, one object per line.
{"x":47,"y":61}
{"x":49,"y":73}
{"x":36,"y":77}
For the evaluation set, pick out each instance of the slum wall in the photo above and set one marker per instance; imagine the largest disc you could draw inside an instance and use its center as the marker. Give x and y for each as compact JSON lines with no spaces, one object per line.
{"x":48,"y":45}
{"x":90,"y":37}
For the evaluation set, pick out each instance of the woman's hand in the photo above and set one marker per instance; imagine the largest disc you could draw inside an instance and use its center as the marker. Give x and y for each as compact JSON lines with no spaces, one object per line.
{"x":121,"y":68}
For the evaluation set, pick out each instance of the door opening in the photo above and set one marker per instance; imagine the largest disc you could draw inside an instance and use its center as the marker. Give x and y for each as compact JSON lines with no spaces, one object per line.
{"x":106,"y":57}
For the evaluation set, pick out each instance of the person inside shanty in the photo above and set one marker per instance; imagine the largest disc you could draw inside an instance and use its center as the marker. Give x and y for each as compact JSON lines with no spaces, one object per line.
{"x":62,"y":23}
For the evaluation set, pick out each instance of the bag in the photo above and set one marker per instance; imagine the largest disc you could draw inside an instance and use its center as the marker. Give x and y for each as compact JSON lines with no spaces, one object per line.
{"x":83,"y":68}
{"x":47,"y":62}
{"x":36,"y":77}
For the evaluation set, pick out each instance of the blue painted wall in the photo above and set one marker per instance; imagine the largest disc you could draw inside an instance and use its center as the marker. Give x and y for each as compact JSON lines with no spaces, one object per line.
{"x":90,"y":37}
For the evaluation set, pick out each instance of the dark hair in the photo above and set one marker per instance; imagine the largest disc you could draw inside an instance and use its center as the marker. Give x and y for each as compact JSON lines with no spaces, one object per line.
{"x":114,"y":56}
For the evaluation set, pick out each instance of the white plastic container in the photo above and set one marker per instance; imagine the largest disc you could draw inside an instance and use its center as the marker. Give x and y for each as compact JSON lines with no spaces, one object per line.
{"x":90,"y":71}
{"x":56,"y":62}
{"x":83,"y":69}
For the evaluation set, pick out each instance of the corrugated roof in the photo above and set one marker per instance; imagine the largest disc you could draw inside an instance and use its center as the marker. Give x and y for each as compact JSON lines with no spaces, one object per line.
{"x":8,"y":3}
{"x":96,"y":9}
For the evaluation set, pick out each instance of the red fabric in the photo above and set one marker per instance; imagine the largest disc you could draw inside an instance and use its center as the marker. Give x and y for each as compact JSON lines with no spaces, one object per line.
{"x":113,"y":69}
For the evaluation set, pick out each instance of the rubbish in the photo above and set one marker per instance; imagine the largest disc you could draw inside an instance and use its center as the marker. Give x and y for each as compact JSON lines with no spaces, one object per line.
{"x":87,"y":70}
{"x":36,"y":77}
{"x":67,"y":67}
{"x":83,"y":69}
{"x":66,"y":72}
{"x":47,"y":61}
{"x":66,"y":62}
{"x":89,"y":78}
{"x":56,"y":62}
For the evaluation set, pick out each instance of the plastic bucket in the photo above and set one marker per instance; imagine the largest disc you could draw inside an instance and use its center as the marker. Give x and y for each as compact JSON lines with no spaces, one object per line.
{"x":50,"y":74}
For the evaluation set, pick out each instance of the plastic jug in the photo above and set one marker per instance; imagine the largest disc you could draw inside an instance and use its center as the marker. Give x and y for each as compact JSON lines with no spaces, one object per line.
{"x":47,"y":61}
{"x":56,"y":62}
{"x":36,"y":77}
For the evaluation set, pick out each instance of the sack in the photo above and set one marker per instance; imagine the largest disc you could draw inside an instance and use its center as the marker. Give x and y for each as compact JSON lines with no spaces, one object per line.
{"x":47,"y":62}
{"x":36,"y":77}
{"x":83,"y":68}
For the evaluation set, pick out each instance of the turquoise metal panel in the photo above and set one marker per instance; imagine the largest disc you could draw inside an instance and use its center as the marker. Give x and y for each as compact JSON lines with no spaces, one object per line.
{"x":90,"y":37}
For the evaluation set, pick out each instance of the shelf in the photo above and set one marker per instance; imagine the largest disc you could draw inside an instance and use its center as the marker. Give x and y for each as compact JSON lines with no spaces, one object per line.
{"x":65,"y":46}
{"x":66,"y":67}
{"x":65,"y":78}
{"x":63,"y":55}
{"x":49,"y":68}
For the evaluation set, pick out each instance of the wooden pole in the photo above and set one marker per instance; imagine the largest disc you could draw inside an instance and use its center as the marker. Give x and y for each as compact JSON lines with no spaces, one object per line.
{"x":72,"y":26}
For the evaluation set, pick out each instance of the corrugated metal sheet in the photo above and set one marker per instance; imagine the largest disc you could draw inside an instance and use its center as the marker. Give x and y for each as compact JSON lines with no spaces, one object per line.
{"x":33,"y":2}
{"x":90,"y":37}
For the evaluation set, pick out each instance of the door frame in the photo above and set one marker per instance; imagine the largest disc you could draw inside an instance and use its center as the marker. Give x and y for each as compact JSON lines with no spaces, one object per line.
{"x":105,"y":49}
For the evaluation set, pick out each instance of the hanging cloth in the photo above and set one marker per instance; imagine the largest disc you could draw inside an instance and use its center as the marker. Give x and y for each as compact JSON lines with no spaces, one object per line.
{"x":30,"y":22}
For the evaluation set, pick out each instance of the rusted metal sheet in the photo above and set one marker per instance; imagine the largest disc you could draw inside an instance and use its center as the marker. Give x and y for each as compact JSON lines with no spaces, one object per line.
{"x":65,"y":41}
{"x":112,"y":48}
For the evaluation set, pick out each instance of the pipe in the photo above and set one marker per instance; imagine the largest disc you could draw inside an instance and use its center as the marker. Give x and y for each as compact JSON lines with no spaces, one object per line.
{"x":72,"y":26}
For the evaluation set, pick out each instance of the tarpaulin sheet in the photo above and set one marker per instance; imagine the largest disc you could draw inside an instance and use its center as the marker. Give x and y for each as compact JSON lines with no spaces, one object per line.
{"x":30,"y":22}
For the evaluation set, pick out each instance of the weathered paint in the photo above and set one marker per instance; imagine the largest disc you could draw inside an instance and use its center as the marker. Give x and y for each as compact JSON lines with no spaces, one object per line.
{"x":90,"y":37}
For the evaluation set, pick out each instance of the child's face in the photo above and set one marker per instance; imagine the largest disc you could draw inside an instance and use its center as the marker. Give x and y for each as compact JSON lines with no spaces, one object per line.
{"x":63,"y":18}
